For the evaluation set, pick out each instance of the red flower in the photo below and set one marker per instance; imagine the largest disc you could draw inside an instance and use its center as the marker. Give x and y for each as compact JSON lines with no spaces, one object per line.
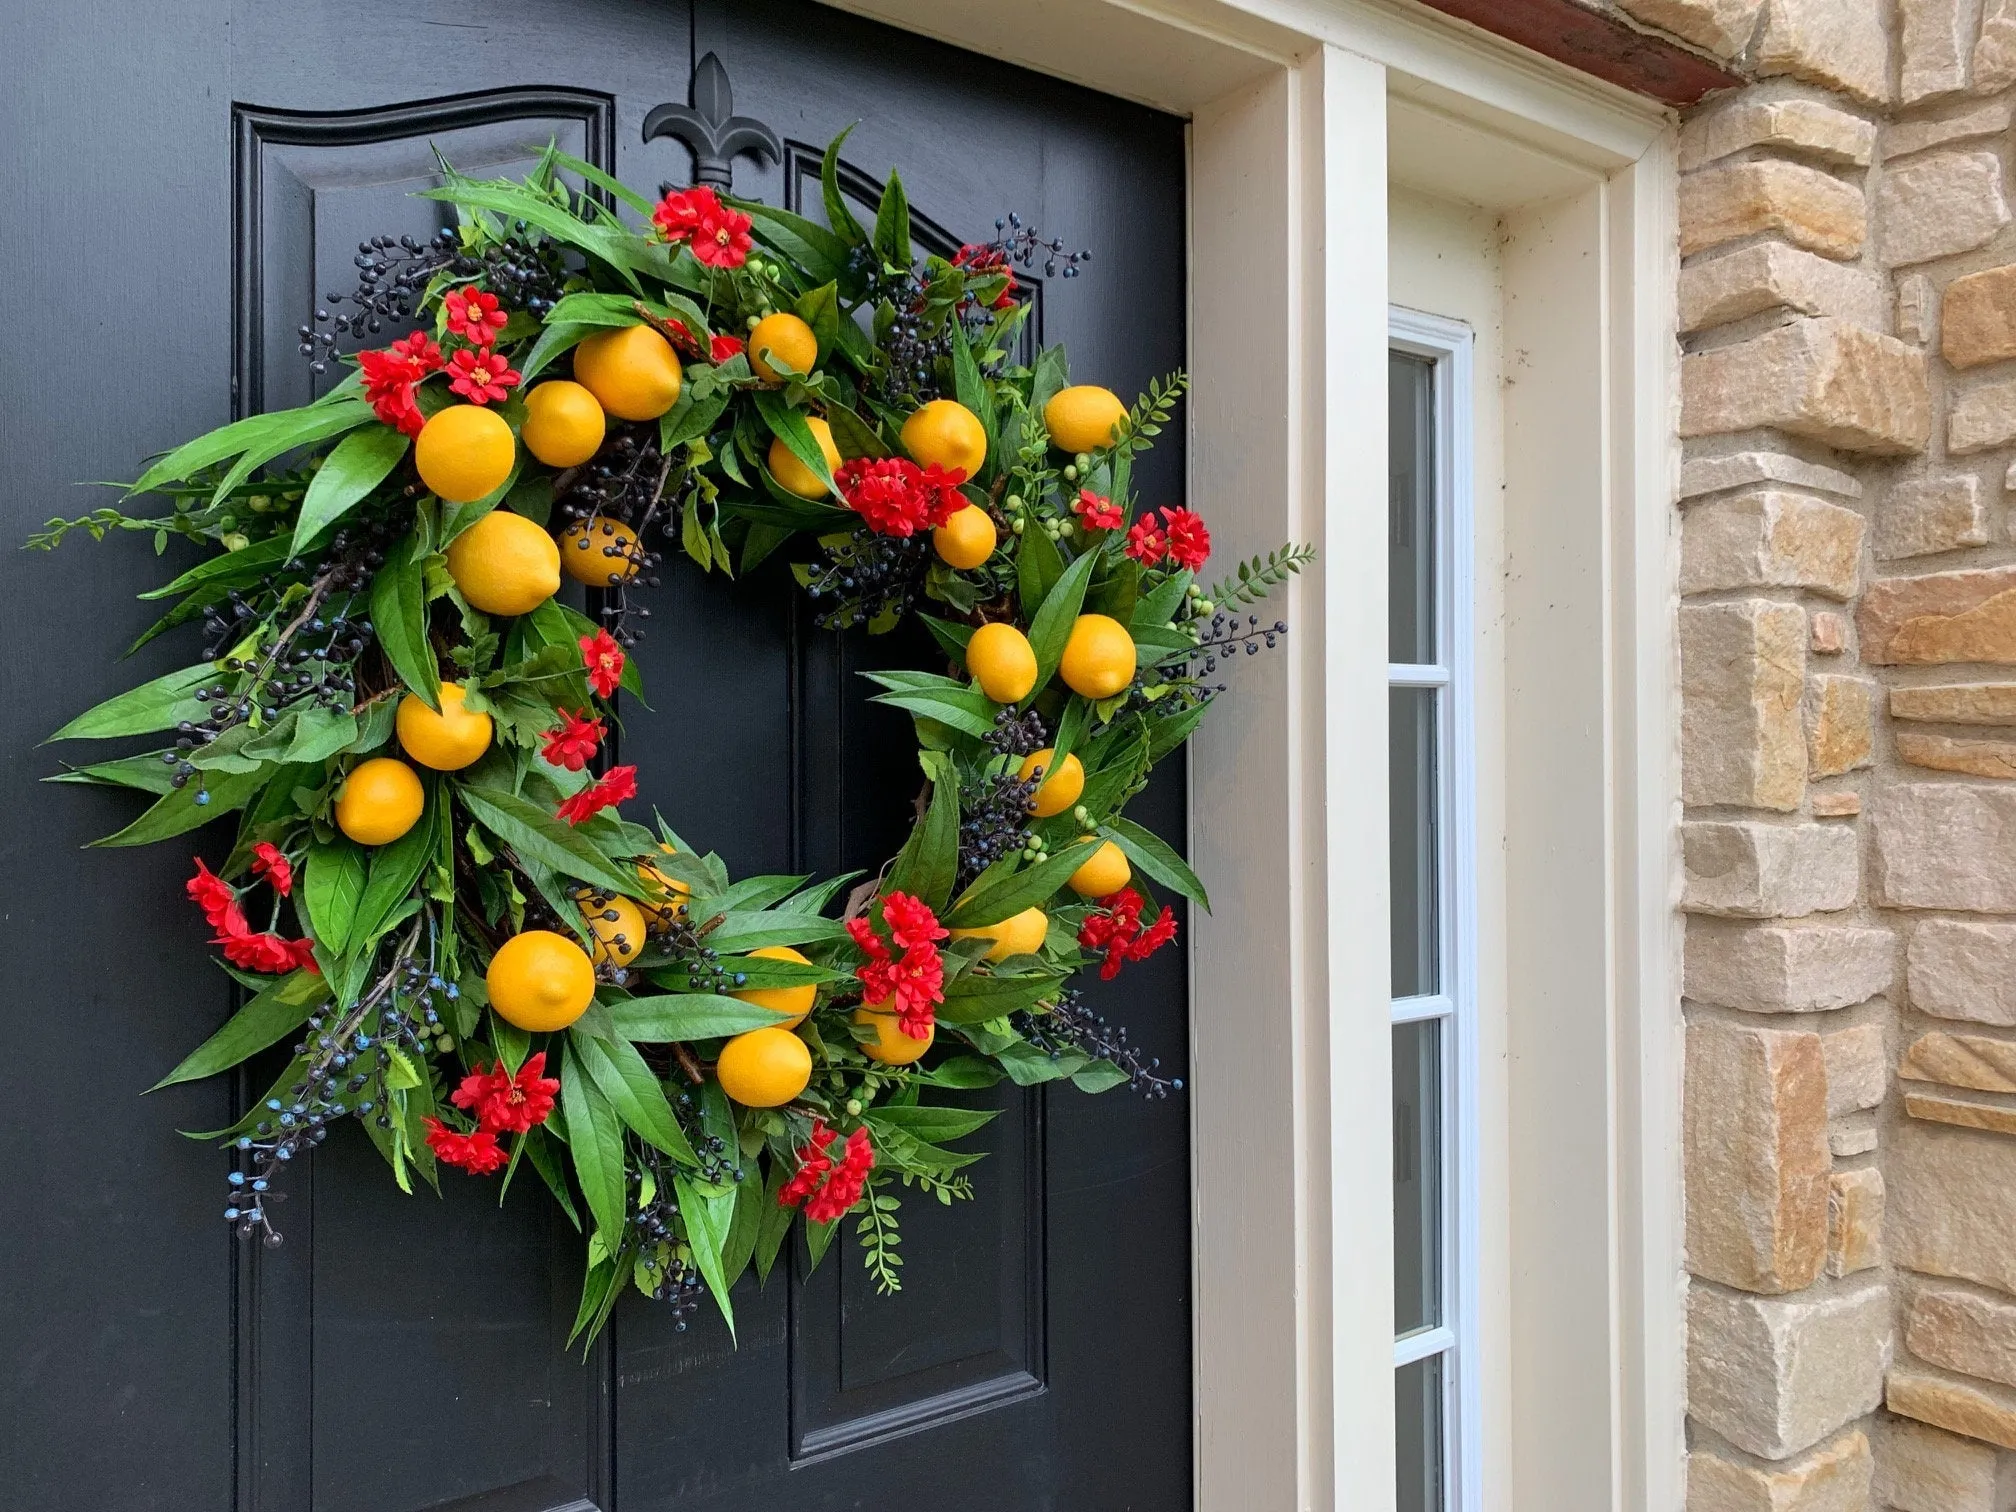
{"x":611,"y":789}
{"x":1189,"y":541}
{"x":218,"y":899}
{"x":571,"y":744}
{"x":679,"y":214}
{"x":481,"y":377}
{"x":865,"y":936}
{"x":844,"y":1187}
{"x":475,"y":1152}
{"x":721,"y":240}
{"x":910,"y":920}
{"x":721,"y":348}
{"x":1145,"y":542}
{"x":986,"y":261}
{"x":507,"y":1104}
{"x":604,"y":660}
{"x":912,"y":986}
{"x":896,"y":496}
{"x":392,"y":377}
{"x":418,"y":348}
{"x":267,"y":952}
{"x":270,"y":862}
{"x":474,"y":316}
{"x":1115,"y":927}
{"x":1097,"y":511}
{"x":813,"y":1164}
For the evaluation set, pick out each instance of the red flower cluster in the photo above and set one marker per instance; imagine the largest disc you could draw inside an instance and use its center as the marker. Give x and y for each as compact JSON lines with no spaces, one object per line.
{"x":473,"y":315}
{"x":830,"y":1195}
{"x":985,"y":260}
{"x":604,"y":660}
{"x":913,"y":983}
{"x":718,"y":235}
{"x":1115,"y":928}
{"x":1097,"y":511}
{"x":242,"y":947}
{"x":475,"y":1152}
{"x":721,"y":348}
{"x":392,"y":378}
{"x":571,"y":743}
{"x":1181,"y":537}
{"x":897,"y":497}
{"x":481,"y":377}
{"x":507,"y":1104}
{"x":606,"y":791}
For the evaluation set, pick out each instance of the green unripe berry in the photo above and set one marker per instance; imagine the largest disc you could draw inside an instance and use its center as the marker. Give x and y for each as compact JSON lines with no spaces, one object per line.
{"x":1205,"y":606}
{"x":752,"y":322}
{"x":1018,"y":523}
{"x":1015,"y":504}
{"x":1083,"y":459}
{"x":1071,"y":472}
{"x":236,"y":541}
{"x":853,"y":1107}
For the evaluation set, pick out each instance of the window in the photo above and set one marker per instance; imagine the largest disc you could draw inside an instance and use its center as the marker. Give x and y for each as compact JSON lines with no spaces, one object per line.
{"x":1435,"y":1370}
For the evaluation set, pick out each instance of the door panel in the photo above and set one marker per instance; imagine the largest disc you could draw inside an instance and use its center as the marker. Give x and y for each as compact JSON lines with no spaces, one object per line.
{"x":403,"y":1353}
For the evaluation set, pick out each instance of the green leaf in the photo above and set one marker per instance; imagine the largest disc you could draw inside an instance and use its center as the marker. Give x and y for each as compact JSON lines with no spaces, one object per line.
{"x":332,"y":881}
{"x":1170,"y":731}
{"x":967,"y":710}
{"x":269,"y":1018}
{"x":633,"y":1091}
{"x":234,"y":569}
{"x":744,"y":1221}
{"x":789,"y":426}
{"x":932,"y":1125}
{"x":815,"y":249}
{"x":315,"y":423}
{"x":1051,"y":627}
{"x":539,"y":1150}
{"x":394,"y":870}
{"x":601,"y":180}
{"x":838,"y":215}
{"x":820,"y":309}
{"x":554,"y":340}
{"x":158,"y":705}
{"x":974,"y":999}
{"x":854,"y":436}
{"x":1155,"y":856}
{"x":269,"y":434}
{"x":1038,"y":565}
{"x":708,"y":1219}
{"x":358,"y":464}
{"x":1051,"y":374}
{"x":1004,"y":897}
{"x":929,"y":861}
{"x":740,"y":931}
{"x":145,"y":772}
{"x":892,"y":223}
{"x":1159,"y":608}
{"x":539,"y":836}
{"x":967,"y":387}
{"x":595,"y":1141}
{"x":689,"y":420}
{"x":683,"y":1016}
{"x":775,"y":1223}
{"x":179,"y":812}
{"x":518,"y":202}
{"x":965,"y":1072}
{"x":399,"y":615}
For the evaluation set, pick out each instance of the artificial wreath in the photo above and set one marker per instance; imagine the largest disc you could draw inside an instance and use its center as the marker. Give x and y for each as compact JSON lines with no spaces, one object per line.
{"x":433,"y":897}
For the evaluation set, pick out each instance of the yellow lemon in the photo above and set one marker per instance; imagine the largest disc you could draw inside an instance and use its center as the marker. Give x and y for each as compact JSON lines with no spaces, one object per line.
{"x":946,"y":432}
{"x":1018,"y":934}
{"x":794,"y":476}
{"x":1098,"y":658}
{"x":504,"y":564}
{"x":632,"y":372}
{"x":447,"y":741}
{"x":891,"y":1046}
{"x":966,"y":540}
{"x":600,"y":552}
{"x":790,"y":339}
{"x":564,"y":424}
{"x":764,"y":1068}
{"x":1104,"y":872}
{"x":1059,"y":789}
{"x":379,"y":801}
{"x":540,"y":981}
{"x":1081,"y":419}
{"x":616,"y":923}
{"x":464,"y":452}
{"x":794,"y":1001}
{"x":669,"y":893}
{"x":1001,"y":657}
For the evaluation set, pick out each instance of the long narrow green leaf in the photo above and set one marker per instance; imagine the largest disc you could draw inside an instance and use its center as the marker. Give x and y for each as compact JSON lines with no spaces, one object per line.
{"x":394,"y":870}
{"x":789,"y":426}
{"x":1051,"y":628}
{"x":540,"y":837}
{"x":1004,"y":897}
{"x":234,"y":569}
{"x":708,"y":1218}
{"x":399,"y":615}
{"x":158,"y":705}
{"x":838,"y":215}
{"x":180,"y":811}
{"x":633,"y":1092}
{"x":269,"y":1018}
{"x":1158,"y":858}
{"x":892,"y":223}
{"x":679,"y":1017}
{"x":595,"y":1141}
{"x":347,"y":475}
{"x":332,"y":881}
{"x":928,"y":864}
{"x":314,"y":424}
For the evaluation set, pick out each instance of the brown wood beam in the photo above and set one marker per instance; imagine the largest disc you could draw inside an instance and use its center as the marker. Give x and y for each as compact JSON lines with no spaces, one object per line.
{"x":1596,"y":44}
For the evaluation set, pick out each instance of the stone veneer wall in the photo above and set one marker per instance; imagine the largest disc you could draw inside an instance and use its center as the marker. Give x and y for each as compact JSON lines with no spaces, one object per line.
{"x":1848,"y":669}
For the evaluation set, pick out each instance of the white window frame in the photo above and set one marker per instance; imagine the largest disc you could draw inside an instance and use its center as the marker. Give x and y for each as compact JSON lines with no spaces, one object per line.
{"x":1449,"y":345}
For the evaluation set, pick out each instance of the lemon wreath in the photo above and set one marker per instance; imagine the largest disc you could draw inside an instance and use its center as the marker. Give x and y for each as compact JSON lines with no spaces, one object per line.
{"x":487,"y":965}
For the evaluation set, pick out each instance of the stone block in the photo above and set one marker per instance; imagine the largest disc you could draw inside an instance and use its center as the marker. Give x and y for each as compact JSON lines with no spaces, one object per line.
{"x":1747,"y":870}
{"x":1981,"y":419}
{"x":1924,"y":515}
{"x":1835,"y":805}
{"x":1775,"y":1375}
{"x":1833,"y":1478}
{"x":1989,"y":120}
{"x":1839,"y":724}
{"x":1721,"y":26}
{"x":1995,"y":51}
{"x":1963,"y":969}
{"x":1946,"y":845}
{"x":1939,"y":204}
{"x":1960,"y":1112}
{"x":1770,"y":276}
{"x":1855,"y":1138}
{"x":1921,"y":1469}
{"x":1979,"y":323}
{"x":1858,"y":1068}
{"x":1806,"y":206}
{"x":1952,"y":1201}
{"x":1963,"y":1331}
{"x":1936,"y":38}
{"x":1801,"y":126}
{"x":1826,"y":379}
{"x":1830,"y":634}
{"x":1961,"y":1060}
{"x":1826,"y":42}
{"x":1854,"y":1221}
{"x":1771,"y":538}
{"x":1756,"y":1156}
{"x":1943,"y":753}
{"x":1967,"y":616}
{"x":1786,"y":968}
{"x":1915,"y":299}
{"x":1707,"y":475}
{"x":1982,"y":703}
{"x":1978,"y":1411}
{"x":1742,"y":673}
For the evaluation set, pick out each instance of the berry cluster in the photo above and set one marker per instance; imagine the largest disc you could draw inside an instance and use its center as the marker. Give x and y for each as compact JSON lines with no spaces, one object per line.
{"x":393,"y":275}
{"x":993,"y":822}
{"x":1069,"y":1025}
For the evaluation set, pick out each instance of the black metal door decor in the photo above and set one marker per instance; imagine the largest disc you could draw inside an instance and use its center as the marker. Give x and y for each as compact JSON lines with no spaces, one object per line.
{"x":433,"y":897}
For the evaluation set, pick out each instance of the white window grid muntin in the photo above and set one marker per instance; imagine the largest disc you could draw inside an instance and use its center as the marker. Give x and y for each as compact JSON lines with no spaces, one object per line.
{"x":1449,"y":345}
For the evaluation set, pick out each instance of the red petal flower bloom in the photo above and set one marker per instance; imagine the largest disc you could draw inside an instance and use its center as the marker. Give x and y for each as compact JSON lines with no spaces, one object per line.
{"x":679,"y":214}
{"x":270,"y":862}
{"x":473,"y":315}
{"x":418,"y":348}
{"x":865,"y":937}
{"x":507,"y":1104}
{"x":572,"y":743}
{"x":604,"y":660}
{"x":1115,"y":928}
{"x":390,"y":380}
{"x":1189,"y":540}
{"x":813,"y":1164}
{"x":721,"y":348}
{"x":721,"y":239}
{"x":985,"y":260}
{"x":1096,"y":510}
{"x":844,"y":1187}
{"x":475,"y":1152}
{"x":911,"y":921}
{"x":481,"y":377}
{"x":611,"y":789}
{"x":896,"y":496}
{"x":218,"y":899}
{"x":918,"y":987}
{"x":267,"y":952}
{"x":1145,"y":542}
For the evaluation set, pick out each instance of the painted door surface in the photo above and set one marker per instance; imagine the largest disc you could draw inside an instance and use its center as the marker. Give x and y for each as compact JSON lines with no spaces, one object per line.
{"x":180,"y":184}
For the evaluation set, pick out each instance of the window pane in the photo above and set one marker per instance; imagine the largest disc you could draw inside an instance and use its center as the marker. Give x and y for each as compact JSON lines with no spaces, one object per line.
{"x":1417,"y":1175}
{"x":1417,"y":1392}
{"x":1412,"y":793}
{"x":1410,"y":493}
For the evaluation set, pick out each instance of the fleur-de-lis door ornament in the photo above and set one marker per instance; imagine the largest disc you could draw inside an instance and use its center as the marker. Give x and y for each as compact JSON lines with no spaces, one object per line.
{"x":711,"y":130}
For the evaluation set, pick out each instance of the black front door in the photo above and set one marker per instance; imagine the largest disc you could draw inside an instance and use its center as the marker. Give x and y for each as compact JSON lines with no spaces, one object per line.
{"x":185,"y":181}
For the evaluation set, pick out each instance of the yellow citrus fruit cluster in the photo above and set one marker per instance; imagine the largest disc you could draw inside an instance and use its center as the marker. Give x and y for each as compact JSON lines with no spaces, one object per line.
{"x":947,"y":433}
{"x":1000,"y":657}
{"x":1098,"y":657}
{"x":793,"y":1002}
{"x":966,"y":540}
{"x":464,"y":453}
{"x":1103,"y":872}
{"x":1062,"y":782}
{"x":564,"y":423}
{"x":788,"y":339}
